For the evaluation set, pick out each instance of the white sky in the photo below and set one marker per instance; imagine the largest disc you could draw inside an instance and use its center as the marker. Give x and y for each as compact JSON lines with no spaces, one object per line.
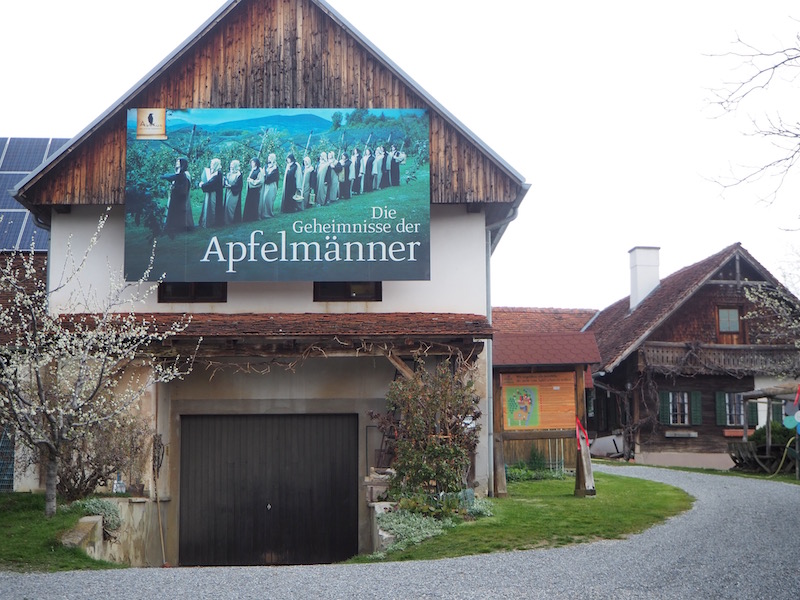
{"x":601,"y":105}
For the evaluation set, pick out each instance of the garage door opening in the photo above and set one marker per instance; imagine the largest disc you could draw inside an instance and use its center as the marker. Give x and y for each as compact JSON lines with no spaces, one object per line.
{"x":268,"y":489}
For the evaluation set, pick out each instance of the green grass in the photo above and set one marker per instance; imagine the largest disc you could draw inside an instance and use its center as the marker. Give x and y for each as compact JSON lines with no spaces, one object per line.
{"x":544,"y":514}
{"x":31,"y":542}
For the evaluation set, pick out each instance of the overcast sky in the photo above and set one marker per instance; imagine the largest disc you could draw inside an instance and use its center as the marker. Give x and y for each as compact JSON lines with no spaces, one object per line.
{"x":603,"y":107}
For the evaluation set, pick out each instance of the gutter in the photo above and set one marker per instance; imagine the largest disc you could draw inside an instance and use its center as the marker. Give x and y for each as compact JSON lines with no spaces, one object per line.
{"x":490,"y":246}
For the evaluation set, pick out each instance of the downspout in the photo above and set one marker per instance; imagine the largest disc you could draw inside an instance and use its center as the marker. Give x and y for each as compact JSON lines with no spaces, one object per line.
{"x":489,"y":371}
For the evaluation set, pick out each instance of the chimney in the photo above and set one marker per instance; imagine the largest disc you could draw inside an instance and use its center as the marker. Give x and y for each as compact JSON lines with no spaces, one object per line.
{"x":644,"y":273}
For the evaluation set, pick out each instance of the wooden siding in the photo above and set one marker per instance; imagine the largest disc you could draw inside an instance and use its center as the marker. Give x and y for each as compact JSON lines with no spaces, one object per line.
{"x":710,"y":436}
{"x":273,"y":54}
{"x":707,"y":359}
{"x":697,"y":319}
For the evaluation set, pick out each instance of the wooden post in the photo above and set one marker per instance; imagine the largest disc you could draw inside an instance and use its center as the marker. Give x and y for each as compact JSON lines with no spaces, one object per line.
{"x":584,"y":479}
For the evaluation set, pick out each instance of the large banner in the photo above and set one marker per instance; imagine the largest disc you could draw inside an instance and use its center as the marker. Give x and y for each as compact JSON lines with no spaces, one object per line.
{"x":278,"y":194}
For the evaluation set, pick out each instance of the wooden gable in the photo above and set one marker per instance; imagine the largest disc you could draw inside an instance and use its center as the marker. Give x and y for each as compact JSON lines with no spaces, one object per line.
{"x":273,"y":54}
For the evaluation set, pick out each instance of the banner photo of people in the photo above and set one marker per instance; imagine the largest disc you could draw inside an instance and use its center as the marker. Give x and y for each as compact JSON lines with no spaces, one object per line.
{"x":277,"y":194}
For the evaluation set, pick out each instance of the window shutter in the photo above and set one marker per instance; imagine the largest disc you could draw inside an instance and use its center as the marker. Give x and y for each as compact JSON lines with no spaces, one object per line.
{"x":777,"y":412}
{"x":722,"y":411}
{"x":752,"y":414}
{"x":696,"y":408}
{"x":663,"y":407}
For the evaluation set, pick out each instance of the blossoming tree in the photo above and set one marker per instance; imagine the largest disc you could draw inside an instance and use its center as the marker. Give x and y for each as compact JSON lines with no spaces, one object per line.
{"x":65,"y":374}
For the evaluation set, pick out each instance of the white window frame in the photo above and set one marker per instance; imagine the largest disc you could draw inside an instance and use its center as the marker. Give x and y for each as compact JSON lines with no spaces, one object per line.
{"x":680,"y":408}
{"x":734,"y":409}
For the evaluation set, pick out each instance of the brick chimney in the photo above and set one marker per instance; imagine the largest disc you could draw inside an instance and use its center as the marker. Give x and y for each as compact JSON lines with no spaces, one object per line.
{"x":644,"y":273}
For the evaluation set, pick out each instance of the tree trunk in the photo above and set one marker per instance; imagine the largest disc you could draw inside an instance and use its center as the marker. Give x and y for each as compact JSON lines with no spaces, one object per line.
{"x":51,"y":477}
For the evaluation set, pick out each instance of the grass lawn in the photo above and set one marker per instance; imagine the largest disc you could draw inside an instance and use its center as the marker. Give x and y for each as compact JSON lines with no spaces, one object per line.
{"x":30,"y":542}
{"x":542,"y":514}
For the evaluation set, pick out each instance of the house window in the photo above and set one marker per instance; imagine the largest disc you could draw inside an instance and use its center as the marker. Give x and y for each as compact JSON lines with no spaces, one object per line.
{"x":680,"y":408}
{"x":728,"y":320}
{"x":734,"y":409}
{"x":730,"y":410}
{"x":348,"y":291}
{"x":184,"y":291}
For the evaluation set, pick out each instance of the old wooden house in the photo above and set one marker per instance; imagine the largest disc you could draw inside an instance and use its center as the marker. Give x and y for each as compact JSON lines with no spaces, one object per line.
{"x":541,"y":361}
{"x":678,"y":353}
{"x":267,"y":447}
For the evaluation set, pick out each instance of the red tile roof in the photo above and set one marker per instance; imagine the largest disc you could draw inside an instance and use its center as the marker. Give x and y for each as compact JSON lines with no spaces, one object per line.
{"x":297,"y":325}
{"x":539,"y":349}
{"x":540,"y":320}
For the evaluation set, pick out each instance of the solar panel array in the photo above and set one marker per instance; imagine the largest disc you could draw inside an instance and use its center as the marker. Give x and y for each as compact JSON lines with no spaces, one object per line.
{"x":18,"y":157}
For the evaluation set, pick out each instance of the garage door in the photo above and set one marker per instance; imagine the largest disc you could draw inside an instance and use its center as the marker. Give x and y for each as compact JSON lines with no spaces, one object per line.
{"x":268,"y":489}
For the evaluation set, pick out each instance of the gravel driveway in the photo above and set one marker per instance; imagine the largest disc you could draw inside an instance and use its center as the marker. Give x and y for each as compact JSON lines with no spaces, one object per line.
{"x":739,"y":541}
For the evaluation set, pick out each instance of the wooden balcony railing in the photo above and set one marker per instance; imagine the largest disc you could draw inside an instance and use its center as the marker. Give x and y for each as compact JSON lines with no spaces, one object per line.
{"x":717,"y":359}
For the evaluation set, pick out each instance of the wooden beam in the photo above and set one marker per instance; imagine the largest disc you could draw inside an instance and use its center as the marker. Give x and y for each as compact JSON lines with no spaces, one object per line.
{"x":398,"y":363}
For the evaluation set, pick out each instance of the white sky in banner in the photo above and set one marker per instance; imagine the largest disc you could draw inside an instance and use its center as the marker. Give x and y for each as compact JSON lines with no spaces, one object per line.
{"x":601,"y":106}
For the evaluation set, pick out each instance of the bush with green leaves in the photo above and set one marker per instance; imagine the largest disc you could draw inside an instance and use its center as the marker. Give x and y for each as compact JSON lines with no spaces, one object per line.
{"x":433,"y":427}
{"x":780,"y":434}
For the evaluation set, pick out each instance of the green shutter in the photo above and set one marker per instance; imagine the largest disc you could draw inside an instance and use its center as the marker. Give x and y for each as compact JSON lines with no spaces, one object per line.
{"x":722,"y":411}
{"x":777,"y":412}
{"x":752,"y":414}
{"x":663,"y":407}
{"x":696,"y":408}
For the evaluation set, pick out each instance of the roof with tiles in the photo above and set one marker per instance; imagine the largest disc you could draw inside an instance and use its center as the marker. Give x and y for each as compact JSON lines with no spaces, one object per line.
{"x":540,"y":320}
{"x":299,"y":325}
{"x":620,"y":331}
{"x":523,"y":349}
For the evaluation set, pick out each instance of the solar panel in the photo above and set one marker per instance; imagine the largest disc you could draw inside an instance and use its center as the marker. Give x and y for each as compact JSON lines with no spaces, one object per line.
{"x":24,"y":154}
{"x":39,"y":236}
{"x":55,"y":144}
{"x":18,"y":157}
{"x":7,"y":183}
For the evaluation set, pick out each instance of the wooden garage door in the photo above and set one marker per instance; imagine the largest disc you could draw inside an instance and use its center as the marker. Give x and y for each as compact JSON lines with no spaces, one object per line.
{"x":268,"y":489}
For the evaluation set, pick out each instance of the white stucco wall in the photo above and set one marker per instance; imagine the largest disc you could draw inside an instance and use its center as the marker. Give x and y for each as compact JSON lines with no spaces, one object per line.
{"x":457,"y":284}
{"x":762,"y":382}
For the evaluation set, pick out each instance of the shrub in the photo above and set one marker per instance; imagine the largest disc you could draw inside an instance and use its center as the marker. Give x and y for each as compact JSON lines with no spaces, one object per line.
{"x":780,"y":434}
{"x":98,"y":506}
{"x":432,"y":422}
{"x":481,"y":507}
{"x":522,"y":471}
{"x":410,"y":528}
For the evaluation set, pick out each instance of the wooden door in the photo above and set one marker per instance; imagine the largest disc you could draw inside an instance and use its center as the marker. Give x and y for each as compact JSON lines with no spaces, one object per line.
{"x":268,"y":489}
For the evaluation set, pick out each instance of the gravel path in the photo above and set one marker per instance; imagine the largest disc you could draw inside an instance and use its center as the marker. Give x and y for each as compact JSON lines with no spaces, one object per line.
{"x":739,"y":541}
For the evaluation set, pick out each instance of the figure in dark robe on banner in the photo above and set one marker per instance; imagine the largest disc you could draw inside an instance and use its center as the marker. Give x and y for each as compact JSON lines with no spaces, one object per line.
{"x":355,"y":172}
{"x":255,"y":187}
{"x":366,"y":172}
{"x":344,"y":177}
{"x":292,"y":200}
{"x":179,"y":209}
